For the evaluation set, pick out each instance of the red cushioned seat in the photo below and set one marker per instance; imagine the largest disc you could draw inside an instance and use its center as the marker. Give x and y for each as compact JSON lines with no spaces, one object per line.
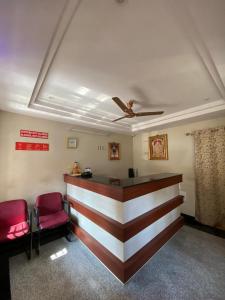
{"x":50,"y":213}
{"x":54,"y":220}
{"x":13,"y":219}
{"x":49,"y":203}
{"x":13,"y":232}
{"x":15,"y":227}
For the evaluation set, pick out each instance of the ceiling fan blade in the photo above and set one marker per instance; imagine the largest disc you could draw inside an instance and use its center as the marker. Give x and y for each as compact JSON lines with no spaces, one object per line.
{"x":120,"y":104}
{"x":145,"y":101}
{"x":149,"y":100}
{"x":150,"y":113}
{"x":120,"y":118}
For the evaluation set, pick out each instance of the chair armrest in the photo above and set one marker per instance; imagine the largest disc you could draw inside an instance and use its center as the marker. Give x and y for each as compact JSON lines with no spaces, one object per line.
{"x":30,"y":219}
{"x":36,"y":215}
{"x":67,"y":204}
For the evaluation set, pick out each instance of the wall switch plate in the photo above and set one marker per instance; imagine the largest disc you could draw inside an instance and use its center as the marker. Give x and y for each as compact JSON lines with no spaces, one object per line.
{"x":100,"y":148}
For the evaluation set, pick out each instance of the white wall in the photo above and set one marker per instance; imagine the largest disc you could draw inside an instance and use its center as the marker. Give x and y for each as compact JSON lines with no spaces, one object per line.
{"x":25,"y":174}
{"x":181,"y":156}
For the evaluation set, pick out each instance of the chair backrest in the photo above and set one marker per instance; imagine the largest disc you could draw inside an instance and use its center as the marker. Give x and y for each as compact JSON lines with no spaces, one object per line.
{"x":13,"y":212}
{"x":49,"y":203}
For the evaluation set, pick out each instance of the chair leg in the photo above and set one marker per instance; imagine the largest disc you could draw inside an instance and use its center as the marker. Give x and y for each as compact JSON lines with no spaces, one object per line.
{"x":69,"y":232}
{"x":29,"y":247}
{"x":31,"y":244}
{"x":68,"y":238}
{"x":37,"y":248}
{"x":28,"y":255}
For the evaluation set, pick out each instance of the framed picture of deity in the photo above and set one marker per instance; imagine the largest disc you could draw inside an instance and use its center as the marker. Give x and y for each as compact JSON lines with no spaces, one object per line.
{"x":158,"y":147}
{"x":114,"y":151}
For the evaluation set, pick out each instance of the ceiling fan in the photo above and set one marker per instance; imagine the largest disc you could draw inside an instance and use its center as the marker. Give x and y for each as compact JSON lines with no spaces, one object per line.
{"x":127,"y":108}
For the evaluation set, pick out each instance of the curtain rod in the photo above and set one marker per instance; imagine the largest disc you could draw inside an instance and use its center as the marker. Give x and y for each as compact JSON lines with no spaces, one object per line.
{"x":189,"y":133}
{"x":211,"y":129}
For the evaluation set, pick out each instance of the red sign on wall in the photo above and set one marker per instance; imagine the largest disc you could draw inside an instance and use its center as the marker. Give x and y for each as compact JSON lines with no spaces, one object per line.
{"x":32,"y":146}
{"x":33,"y":134}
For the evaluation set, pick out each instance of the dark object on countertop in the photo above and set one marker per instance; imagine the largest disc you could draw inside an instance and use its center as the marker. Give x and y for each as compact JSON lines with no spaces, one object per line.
{"x":86,"y":175}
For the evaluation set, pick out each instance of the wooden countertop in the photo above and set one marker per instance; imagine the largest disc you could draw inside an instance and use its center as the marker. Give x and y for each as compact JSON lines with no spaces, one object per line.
{"x":124,"y":189}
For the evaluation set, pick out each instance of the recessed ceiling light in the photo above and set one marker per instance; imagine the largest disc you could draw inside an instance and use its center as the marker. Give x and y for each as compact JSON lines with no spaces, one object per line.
{"x":102,"y":97}
{"x":81,"y":111}
{"x":82,"y":90}
{"x":76,"y":115}
{"x":121,"y":1}
{"x":90,"y":106}
{"x":76,"y":97}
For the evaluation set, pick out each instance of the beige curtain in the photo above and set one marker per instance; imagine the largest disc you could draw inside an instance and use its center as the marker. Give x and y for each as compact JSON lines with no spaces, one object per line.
{"x":210,"y":176}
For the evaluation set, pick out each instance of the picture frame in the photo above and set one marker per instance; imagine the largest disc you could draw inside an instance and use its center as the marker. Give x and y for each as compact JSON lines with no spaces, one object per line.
{"x":114,"y":151}
{"x":158,"y":147}
{"x":71,"y":143}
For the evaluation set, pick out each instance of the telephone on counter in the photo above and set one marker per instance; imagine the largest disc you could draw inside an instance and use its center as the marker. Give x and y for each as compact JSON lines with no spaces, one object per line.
{"x":87,"y":173}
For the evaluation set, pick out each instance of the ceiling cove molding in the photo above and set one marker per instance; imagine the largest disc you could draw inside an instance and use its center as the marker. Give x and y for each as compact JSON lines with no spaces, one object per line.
{"x":91,"y":132}
{"x":186,"y":21}
{"x":182,"y":115}
{"x":69,"y":10}
{"x":75,"y":115}
{"x":84,"y":123}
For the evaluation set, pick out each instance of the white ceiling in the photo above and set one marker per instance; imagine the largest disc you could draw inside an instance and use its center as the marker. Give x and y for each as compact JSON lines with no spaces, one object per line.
{"x":64,"y":60}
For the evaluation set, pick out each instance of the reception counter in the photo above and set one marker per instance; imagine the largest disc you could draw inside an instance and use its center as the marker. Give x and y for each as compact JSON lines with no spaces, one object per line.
{"x":124,"y":222}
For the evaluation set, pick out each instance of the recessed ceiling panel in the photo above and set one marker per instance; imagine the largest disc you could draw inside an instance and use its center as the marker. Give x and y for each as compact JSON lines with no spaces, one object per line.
{"x":130,"y":50}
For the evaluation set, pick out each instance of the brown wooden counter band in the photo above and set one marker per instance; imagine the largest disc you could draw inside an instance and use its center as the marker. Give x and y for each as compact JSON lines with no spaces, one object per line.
{"x":124,"y":271}
{"x":102,"y":189}
{"x":124,"y":232}
{"x":138,"y":224}
{"x":108,"y":224}
{"x":133,"y":264}
{"x":106,"y":257}
{"x":149,"y":187}
{"x":126,"y":193}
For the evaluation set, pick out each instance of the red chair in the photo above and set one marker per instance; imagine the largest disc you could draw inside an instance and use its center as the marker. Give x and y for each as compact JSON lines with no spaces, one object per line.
{"x":15,"y":227}
{"x":50,"y":213}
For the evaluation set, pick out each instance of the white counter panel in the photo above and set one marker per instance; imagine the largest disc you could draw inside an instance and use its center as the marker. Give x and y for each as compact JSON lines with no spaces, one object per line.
{"x":123,"y":212}
{"x":138,"y":241}
{"x":125,"y":250}
{"x":107,"y":206}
